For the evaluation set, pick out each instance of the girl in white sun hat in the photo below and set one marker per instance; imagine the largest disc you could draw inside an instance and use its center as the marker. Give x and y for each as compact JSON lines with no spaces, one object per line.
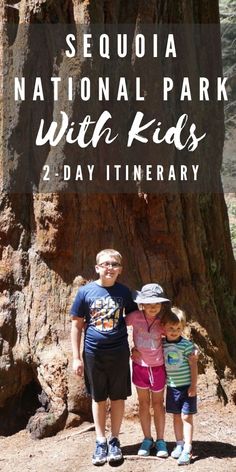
{"x":149,"y":375}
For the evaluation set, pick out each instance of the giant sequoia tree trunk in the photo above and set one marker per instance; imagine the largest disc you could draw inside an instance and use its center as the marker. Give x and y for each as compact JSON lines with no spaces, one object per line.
{"x":47,"y":240}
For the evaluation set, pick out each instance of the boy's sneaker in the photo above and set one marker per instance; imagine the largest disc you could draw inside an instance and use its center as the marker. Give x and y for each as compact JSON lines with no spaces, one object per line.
{"x":114,"y":450}
{"x":145,"y":447}
{"x":100,"y":454}
{"x":177,"y":451}
{"x":161,"y":448}
{"x":184,"y":458}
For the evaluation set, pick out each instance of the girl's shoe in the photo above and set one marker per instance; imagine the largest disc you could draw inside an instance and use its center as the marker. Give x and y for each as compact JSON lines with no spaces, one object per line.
{"x":177,"y":451}
{"x":145,"y":447}
{"x":161,"y":448}
{"x":184,"y":458}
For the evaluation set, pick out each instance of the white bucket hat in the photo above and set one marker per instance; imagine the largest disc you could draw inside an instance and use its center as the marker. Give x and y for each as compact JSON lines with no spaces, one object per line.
{"x":150,"y":293}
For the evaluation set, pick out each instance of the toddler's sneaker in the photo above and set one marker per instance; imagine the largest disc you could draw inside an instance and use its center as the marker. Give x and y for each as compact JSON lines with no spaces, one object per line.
{"x":161,"y":448}
{"x":145,"y":447}
{"x":177,"y":451}
{"x":184,"y":458}
{"x":100,"y":453}
{"x":114,"y":450}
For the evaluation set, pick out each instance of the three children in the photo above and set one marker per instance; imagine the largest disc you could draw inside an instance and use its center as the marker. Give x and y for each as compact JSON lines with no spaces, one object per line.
{"x":99,"y":308}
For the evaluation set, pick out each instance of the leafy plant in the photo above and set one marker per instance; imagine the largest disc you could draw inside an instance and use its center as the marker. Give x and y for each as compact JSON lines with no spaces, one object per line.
{"x":228,"y":29}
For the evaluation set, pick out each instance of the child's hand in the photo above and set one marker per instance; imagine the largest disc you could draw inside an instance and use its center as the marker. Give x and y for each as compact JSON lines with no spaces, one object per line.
{"x":193,"y":357}
{"x":192,"y":391}
{"x":135,"y":354}
{"x":78,"y":367}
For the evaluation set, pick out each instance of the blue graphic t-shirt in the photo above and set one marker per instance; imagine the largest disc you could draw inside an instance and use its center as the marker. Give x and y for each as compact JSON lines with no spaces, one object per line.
{"x":103,"y":309}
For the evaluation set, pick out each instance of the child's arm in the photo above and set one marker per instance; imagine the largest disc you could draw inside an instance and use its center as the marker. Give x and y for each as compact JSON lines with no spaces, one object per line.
{"x":77,"y":325}
{"x":194,"y":355}
{"x":129,"y":319}
{"x":135,"y":354}
{"x":192,"y":391}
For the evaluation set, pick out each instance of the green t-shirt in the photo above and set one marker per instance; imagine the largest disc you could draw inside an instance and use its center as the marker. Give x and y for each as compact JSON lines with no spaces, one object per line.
{"x":176,"y":362}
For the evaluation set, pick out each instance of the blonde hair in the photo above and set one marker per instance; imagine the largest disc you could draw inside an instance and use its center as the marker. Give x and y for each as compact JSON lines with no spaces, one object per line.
{"x":174,"y":316}
{"x":109,"y":252}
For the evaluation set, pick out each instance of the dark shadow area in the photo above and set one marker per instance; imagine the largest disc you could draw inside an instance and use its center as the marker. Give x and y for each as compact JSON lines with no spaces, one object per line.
{"x":201,"y":450}
{"x":217,"y":449}
{"x":116,"y":463}
{"x":17,"y":411}
{"x":132,"y":450}
{"x":55,"y":12}
{"x":12,"y":14}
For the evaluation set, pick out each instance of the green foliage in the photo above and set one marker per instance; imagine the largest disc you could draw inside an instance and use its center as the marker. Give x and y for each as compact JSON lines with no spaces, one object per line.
{"x":228,"y":35}
{"x":227,"y":10}
{"x":228,"y":28}
{"x":231,"y":206}
{"x":233,"y":237}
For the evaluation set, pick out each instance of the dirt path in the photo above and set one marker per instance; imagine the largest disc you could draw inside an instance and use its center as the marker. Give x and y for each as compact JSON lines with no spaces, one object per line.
{"x":70,"y":451}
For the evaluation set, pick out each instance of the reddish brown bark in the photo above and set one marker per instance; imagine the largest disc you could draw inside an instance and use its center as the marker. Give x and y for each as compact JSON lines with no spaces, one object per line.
{"x":47,"y":240}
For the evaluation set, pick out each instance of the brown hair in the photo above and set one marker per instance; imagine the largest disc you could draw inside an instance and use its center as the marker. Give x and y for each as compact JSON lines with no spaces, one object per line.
{"x":165,"y":308}
{"x":174,"y":315}
{"x":109,"y":252}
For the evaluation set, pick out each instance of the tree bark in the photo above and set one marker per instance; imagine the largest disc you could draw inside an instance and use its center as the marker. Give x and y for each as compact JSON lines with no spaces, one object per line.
{"x":48,"y":240}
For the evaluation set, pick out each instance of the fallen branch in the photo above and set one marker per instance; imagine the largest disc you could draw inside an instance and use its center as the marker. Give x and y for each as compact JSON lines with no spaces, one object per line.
{"x":136,"y":457}
{"x":91,"y":427}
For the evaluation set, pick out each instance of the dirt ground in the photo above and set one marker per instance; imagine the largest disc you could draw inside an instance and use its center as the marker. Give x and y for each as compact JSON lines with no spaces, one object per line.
{"x":70,"y":451}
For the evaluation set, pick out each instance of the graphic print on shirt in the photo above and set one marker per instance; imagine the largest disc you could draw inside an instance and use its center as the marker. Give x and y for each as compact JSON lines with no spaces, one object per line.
{"x":105,"y":313}
{"x":173,"y":357}
{"x":147,"y":340}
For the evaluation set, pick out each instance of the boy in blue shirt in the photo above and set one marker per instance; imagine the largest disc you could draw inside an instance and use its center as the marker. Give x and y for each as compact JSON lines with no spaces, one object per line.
{"x":99,"y":306}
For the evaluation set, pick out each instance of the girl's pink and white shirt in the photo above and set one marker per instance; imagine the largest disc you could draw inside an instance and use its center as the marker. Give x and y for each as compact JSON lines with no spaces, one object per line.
{"x":147,"y":341}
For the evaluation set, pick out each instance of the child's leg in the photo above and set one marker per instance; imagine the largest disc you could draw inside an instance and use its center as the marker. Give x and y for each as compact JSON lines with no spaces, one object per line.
{"x":144,"y":411}
{"x":159,"y":413}
{"x":117,"y":413}
{"x":185,"y":457}
{"x":99,"y":417}
{"x":159,"y":420}
{"x":188,"y":431}
{"x":178,"y":427}
{"x":179,"y":435}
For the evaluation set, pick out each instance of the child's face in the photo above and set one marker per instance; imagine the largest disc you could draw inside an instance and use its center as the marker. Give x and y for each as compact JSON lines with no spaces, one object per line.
{"x":151,"y":309}
{"x":108,"y":268}
{"x":173,"y":331}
